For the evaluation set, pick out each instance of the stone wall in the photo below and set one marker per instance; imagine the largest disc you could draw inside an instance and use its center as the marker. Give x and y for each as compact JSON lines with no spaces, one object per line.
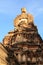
{"x":3,"y":55}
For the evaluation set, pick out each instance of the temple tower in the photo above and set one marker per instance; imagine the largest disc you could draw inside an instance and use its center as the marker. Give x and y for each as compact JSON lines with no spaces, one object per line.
{"x":24,"y":44}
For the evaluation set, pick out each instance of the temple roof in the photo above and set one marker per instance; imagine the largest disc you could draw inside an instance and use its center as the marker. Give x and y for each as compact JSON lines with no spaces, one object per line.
{"x":24,"y":18}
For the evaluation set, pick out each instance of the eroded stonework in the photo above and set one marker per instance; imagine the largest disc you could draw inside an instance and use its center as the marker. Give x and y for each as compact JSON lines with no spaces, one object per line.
{"x":3,"y":55}
{"x":24,"y":44}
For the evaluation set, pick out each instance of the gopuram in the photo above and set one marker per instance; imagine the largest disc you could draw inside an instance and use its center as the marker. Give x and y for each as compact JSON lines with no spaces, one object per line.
{"x":23,"y":45}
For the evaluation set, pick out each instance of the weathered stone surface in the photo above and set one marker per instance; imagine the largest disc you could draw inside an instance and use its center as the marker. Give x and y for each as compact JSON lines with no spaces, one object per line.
{"x":24,"y":44}
{"x":3,"y":55}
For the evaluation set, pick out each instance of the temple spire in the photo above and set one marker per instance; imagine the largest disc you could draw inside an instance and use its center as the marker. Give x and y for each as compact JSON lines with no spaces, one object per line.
{"x":23,"y":10}
{"x":24,"y":18}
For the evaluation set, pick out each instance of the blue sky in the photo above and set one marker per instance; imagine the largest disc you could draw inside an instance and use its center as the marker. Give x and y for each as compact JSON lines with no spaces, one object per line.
{"x":9,"y":9}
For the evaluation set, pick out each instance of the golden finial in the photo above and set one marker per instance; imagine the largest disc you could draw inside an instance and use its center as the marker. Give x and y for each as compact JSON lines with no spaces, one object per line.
{"x":23,"y":10}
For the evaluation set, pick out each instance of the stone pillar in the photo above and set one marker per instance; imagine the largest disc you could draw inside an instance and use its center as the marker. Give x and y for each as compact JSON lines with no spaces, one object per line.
{"x":19,"y":57}
{"x":24,"y":58}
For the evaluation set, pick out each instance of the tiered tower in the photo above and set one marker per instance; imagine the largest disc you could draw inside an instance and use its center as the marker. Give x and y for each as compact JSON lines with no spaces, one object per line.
{"x":24,"y":44}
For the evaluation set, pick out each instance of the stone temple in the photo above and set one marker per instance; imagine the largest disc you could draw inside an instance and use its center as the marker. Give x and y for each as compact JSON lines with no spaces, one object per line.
{"x":23,"y":45}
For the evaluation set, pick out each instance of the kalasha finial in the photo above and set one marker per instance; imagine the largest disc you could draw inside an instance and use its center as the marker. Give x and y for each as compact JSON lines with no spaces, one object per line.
{"x":23,"y":10}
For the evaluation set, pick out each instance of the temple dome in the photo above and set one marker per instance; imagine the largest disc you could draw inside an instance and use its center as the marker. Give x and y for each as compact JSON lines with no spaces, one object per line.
{"x":23,"y":18}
